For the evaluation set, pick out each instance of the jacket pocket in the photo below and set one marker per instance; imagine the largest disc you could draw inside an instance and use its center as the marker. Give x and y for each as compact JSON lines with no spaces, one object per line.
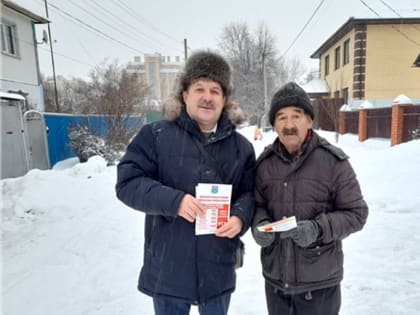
{"x":271,"y":260}
{"x":319,"y":263}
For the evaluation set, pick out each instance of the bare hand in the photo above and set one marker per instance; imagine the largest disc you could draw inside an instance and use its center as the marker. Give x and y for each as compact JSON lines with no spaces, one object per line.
{"x":190,"y":208}
{"x":231,"y":228}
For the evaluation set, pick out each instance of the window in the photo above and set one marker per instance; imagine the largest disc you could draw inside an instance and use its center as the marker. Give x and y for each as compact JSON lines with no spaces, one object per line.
{"x":345,"y":95}
{"x":346,"y":52}
{"x":327,"y":64}
{"x":8,"y":38}
{"x":337,"y":57}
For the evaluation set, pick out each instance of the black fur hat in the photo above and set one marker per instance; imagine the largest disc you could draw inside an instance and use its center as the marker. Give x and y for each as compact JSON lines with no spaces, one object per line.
{"x":290,"y":94}
{"x":206,"y":64}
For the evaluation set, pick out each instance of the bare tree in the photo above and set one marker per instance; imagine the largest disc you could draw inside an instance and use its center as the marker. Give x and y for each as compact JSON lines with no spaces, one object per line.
{"x":237,"y":45}
{"x":72,"y":95}
{"x":48,"y":90}
{"x":111,"y":91}
{"x":118,"y":95}
{"x":257,"y":68}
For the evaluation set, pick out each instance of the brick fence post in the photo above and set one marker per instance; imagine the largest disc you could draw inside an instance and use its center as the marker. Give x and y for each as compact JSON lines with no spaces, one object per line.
{"x":342,"y":123}
{"x":396,"y":124}
{"x":362,"y":124}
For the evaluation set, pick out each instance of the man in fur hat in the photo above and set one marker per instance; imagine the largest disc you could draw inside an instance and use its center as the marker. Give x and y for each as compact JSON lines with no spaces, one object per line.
{"x":196,"y":143}
{"x":303,"y":175}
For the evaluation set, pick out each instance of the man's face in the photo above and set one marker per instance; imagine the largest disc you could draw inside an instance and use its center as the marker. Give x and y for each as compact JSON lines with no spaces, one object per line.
{"x":292,"y":125}
{"x":204,"y":102}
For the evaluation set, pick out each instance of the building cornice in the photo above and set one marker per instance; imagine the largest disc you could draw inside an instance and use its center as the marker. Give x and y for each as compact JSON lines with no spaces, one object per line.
{"x":352,"y":23}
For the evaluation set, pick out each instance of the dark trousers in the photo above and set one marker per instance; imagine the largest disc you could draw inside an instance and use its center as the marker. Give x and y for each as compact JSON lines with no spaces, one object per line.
{"x":319,"y":302}
{"x":170,"y":306}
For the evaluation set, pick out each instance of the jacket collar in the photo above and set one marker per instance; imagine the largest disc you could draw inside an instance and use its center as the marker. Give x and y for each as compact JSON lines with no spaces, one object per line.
{"x":224,"y":126}
{"x":278,"y":149}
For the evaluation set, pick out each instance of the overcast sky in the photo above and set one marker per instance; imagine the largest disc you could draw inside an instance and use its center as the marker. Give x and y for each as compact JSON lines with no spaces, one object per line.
{"x":137,"y":27}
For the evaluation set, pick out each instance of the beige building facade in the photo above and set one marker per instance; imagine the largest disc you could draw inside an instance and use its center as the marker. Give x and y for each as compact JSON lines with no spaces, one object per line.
{"x":372,"y":59}
{"x":159,"y":73}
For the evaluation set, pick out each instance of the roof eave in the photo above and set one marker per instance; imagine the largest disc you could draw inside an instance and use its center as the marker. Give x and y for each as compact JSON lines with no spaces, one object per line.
{"x":34,"y":17}
{"x":350,"y":24}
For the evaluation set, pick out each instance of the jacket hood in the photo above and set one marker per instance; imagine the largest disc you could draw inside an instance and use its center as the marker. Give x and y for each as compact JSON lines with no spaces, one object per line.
{"x":171,"y":110}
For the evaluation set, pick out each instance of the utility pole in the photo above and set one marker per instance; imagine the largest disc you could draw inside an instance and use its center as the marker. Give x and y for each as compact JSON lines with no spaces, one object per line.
{"x":57,"y":106}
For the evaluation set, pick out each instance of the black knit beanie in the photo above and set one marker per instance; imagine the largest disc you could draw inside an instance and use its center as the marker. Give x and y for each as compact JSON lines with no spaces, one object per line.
{"x":290,"y":94}
{"x":206,"y":64}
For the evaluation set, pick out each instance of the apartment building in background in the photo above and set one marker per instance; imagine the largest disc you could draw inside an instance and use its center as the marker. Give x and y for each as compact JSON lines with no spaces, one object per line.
{"x":159,"y":73}
{"x":372,"y":59}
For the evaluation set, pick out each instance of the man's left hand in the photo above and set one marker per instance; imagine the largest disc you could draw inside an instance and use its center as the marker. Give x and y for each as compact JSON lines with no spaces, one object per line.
{"x":231,"y":228}
{"x":306,"y":233}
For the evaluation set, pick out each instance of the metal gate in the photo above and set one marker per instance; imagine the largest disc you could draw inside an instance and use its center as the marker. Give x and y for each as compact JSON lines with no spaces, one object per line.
{"x":36,"y":136}
{"x":14,"y":157}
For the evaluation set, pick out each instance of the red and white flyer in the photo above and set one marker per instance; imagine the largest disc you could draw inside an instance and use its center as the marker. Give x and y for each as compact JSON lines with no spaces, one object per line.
{"x":279,"y":226}
{"x":216,"y":199}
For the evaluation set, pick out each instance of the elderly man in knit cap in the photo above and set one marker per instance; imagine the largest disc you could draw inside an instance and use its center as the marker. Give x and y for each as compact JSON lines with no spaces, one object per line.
{"x":304,"y":176}
{"x":195,"y":143}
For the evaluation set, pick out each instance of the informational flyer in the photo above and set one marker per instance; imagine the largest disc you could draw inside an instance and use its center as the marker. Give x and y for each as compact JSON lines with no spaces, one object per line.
{"x":279,"y":226}
{"x":216,"y":199}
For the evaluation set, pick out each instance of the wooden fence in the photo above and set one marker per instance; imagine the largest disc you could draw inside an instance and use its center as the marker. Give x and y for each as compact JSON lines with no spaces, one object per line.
{"x":326,"y":113}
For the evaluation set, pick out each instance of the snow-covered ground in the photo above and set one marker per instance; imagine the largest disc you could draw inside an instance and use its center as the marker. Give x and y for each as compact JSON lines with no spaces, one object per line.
{"x":69,"y":247}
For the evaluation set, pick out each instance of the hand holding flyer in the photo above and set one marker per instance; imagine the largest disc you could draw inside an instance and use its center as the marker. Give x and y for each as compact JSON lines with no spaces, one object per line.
{"x":279,"y":226}
{"x":216,"y":199}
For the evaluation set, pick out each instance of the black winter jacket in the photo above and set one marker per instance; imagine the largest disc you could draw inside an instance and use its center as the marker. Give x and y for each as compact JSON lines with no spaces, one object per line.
{"x":161,"y":165}
{"x":322,"y":186}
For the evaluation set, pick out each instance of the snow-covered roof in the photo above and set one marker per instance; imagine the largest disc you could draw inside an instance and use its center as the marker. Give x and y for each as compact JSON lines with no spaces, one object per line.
{"x":316,"y":86}
{"x":12,"y":96}
{"x":402,"y":99}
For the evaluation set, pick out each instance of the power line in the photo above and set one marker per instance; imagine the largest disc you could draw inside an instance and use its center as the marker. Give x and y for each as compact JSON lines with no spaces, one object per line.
{"x":114,"y":27}
{"x":389,"y":7}
{"x":367,"y":6}
{"x":399,"y":31}
{"x":303,"y":28}
{"x":70,"y":58}
{"x":57,"y":53}
{"x":392,"y":9}
{"x":142,"y":20}
{"x":95,"y":29}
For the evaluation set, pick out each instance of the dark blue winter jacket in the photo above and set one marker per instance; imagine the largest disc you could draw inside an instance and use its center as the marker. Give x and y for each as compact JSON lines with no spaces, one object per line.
{"x":161,"y":165}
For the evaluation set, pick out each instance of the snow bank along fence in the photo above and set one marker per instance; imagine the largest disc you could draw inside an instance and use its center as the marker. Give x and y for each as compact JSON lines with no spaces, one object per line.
{"x":58,"y":130}
{"x":23,"y":137}
{"x":395,"y":122}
